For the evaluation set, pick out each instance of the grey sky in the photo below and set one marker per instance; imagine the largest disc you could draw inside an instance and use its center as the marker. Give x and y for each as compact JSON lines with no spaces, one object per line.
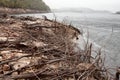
{"x":111,"y":5}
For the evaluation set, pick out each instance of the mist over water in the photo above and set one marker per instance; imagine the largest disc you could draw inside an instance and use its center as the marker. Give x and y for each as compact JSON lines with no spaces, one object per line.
{"x":103,"y":28}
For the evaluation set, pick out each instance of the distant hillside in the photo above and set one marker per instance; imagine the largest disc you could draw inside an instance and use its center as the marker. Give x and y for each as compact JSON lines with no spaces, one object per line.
{"x":81,"y":10}
{"x":118,"y":12}
{"x":25,"y":4}
{"x":73,"y":10}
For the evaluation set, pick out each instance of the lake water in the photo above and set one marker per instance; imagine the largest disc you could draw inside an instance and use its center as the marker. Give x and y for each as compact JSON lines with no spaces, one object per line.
{"x":103,"y":28}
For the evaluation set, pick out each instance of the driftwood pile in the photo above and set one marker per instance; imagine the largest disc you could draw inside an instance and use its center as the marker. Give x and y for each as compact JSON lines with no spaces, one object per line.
{"x":42,"y":49}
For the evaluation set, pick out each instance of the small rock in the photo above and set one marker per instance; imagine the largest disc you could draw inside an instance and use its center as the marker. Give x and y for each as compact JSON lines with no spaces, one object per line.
{"x":39,"y":44}
{"x":6,"y":67}
{"x":3,"y":39}
{"x":0,"y":58}
{"x":21,"y":63}
{"x":3,"y":15}
{"x":85,"y":66}
{"x":5,"y":52}
{"x":15,"y":73}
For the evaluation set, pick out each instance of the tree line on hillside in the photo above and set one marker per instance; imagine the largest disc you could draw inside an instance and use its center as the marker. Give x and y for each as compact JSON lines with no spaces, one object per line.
{"x":25,"y":4}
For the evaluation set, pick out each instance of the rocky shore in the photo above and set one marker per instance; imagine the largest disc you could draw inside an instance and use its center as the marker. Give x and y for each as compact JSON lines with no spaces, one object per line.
{"x":42,"y":49}
{"x":19,"y":11}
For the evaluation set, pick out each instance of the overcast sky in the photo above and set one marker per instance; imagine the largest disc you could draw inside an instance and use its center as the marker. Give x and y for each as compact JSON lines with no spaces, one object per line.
{"x":111,"y":5}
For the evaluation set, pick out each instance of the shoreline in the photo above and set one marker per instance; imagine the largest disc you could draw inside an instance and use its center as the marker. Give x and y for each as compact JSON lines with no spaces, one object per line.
{"x":47,"y":47}
{"x":20,"y":11}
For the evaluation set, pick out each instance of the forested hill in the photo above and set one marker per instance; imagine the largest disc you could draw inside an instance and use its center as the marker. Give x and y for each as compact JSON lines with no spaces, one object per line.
{"x":25,"y":4}
{"x":118,"y":12}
